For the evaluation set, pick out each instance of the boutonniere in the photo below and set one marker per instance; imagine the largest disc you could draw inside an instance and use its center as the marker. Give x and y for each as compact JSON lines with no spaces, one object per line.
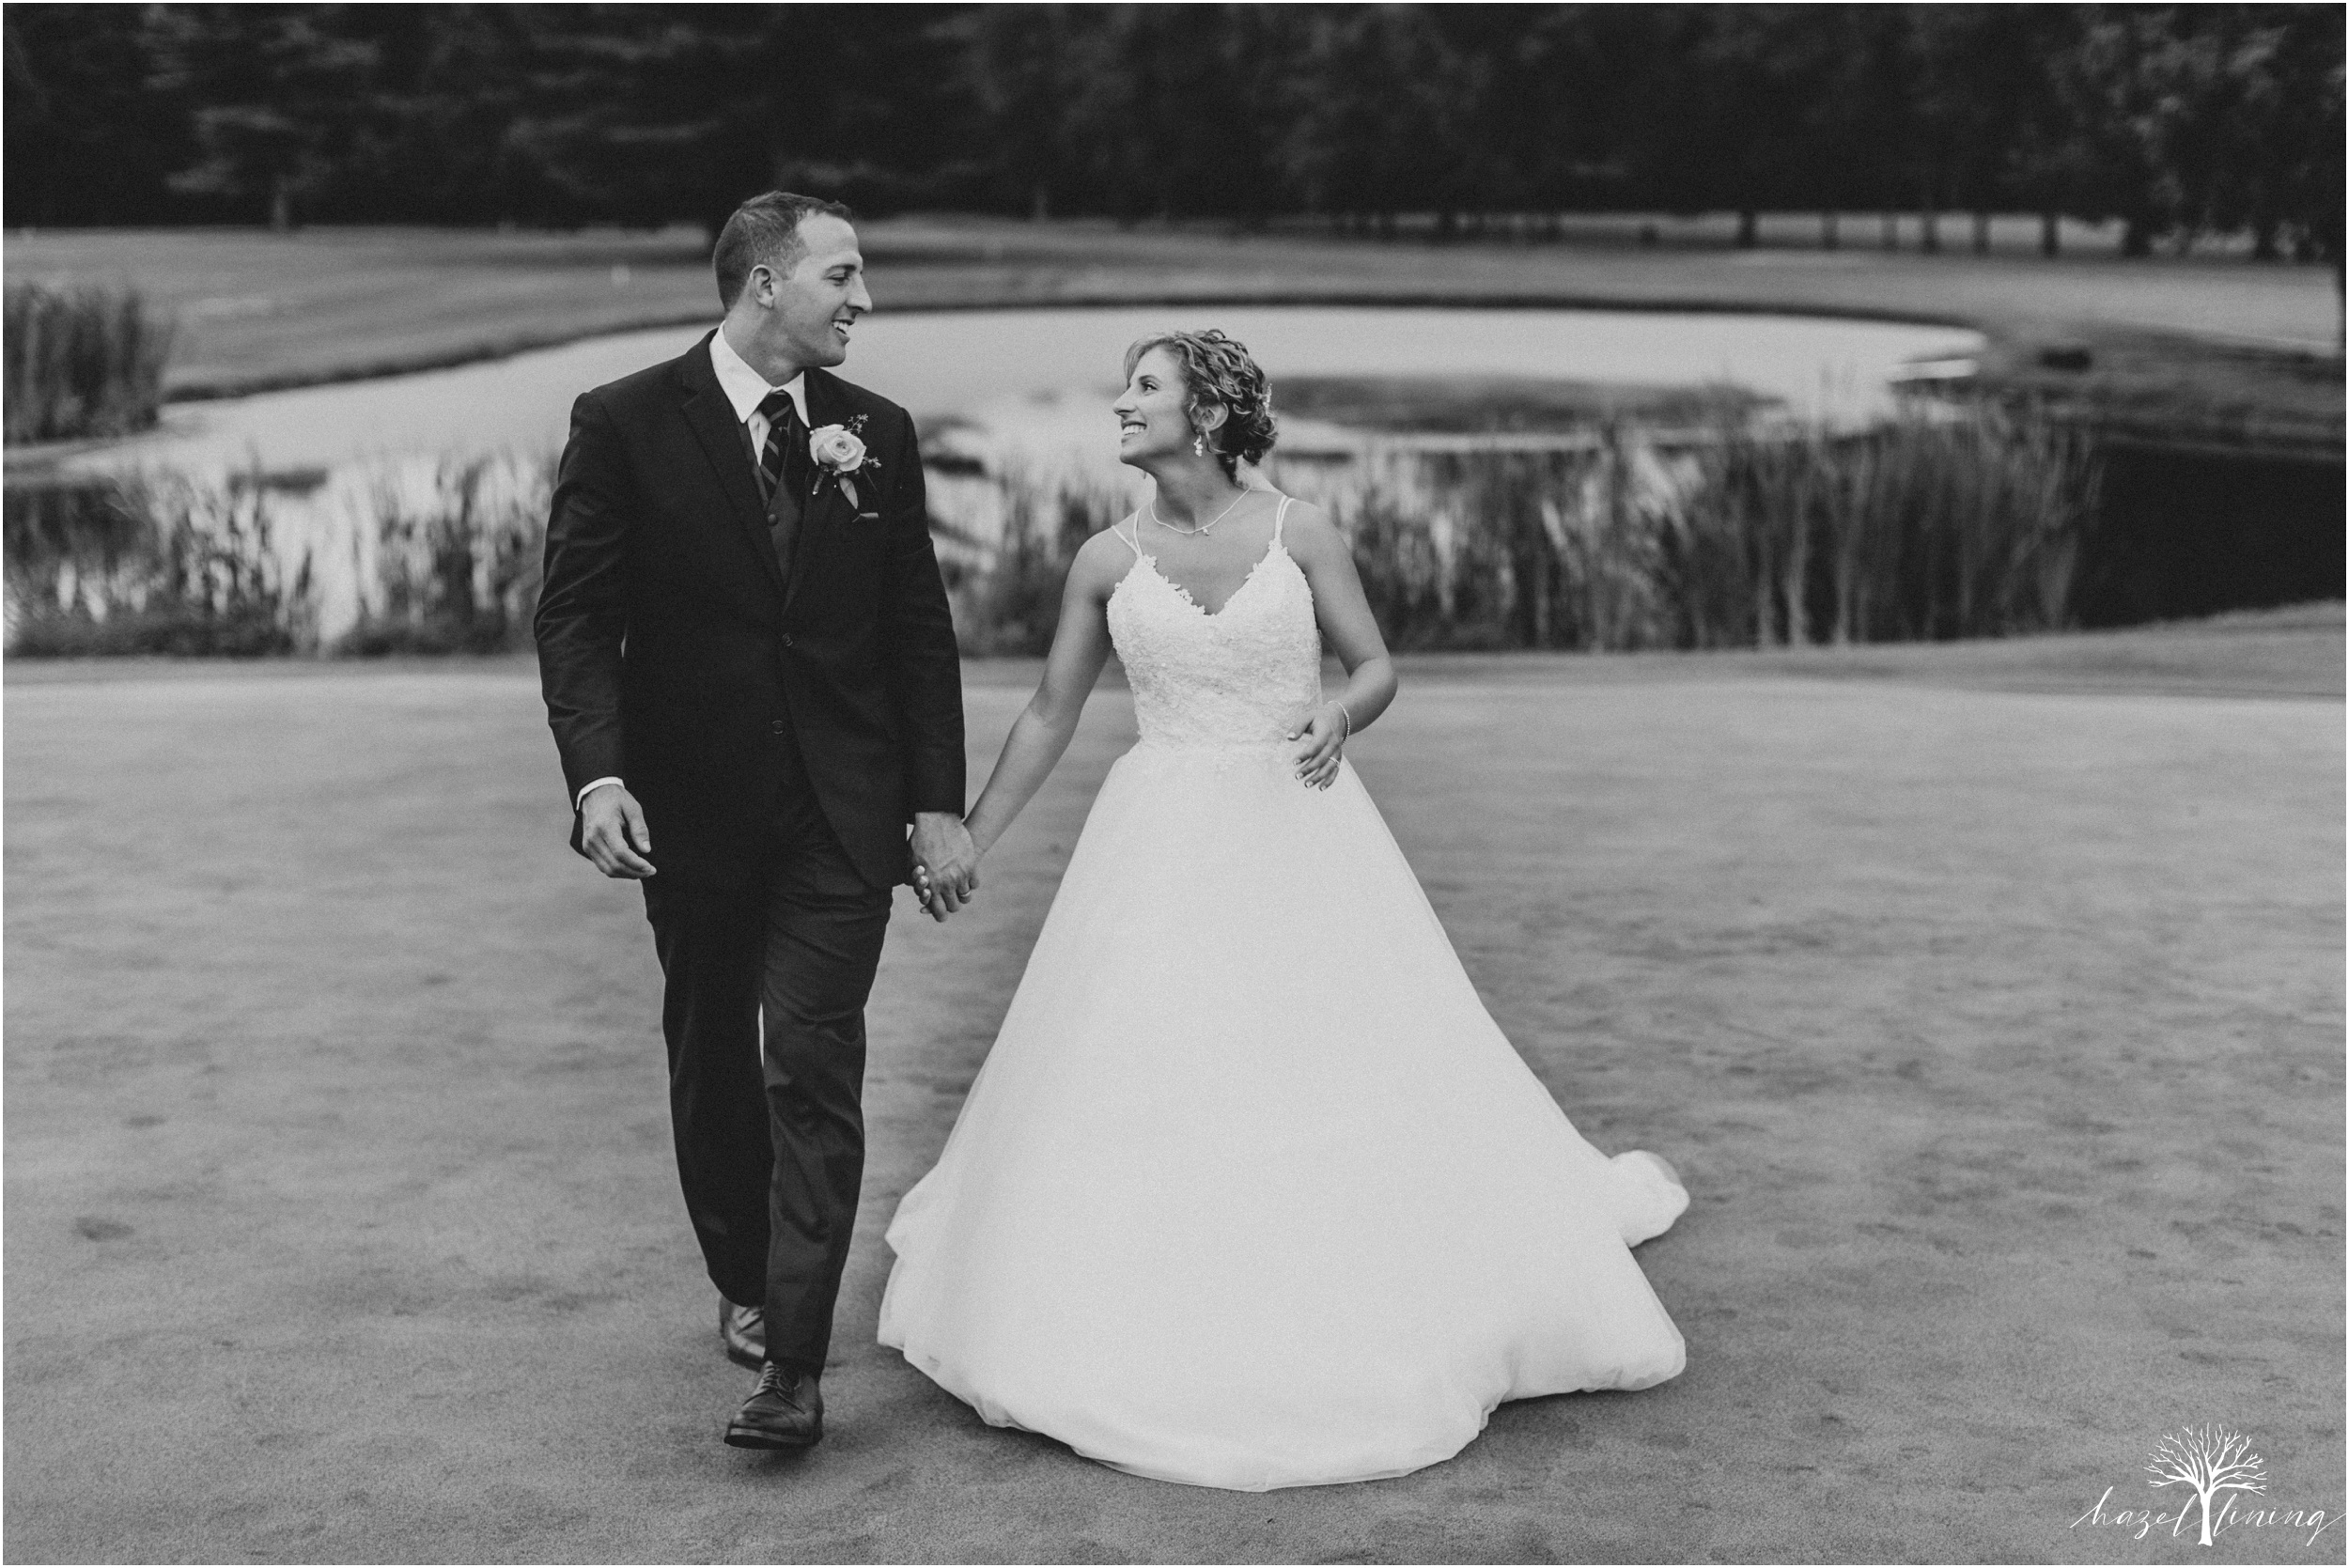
{"x":839,"y":451}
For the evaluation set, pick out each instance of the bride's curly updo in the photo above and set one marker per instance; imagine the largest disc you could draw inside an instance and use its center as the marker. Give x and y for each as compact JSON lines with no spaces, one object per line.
{"x":1218,"y":369}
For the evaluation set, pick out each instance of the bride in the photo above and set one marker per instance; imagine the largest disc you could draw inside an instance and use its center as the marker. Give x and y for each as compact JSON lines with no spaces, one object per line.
{"x":1252,"y":1191}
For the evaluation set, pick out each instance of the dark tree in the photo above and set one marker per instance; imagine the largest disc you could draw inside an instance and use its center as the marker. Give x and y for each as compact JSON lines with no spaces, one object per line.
{"x":1976,"y":77}
{"x":1019,"y":70}
{"x":2180,"y":120}
{"x":279,"y":97}
{"x":86,"y":141}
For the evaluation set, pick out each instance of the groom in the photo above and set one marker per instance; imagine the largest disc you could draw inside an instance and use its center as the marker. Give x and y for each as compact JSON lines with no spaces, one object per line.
{"x":751,"y":675}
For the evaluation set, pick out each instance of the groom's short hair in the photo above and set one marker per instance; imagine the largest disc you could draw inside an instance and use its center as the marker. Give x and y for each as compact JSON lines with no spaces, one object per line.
{"x":765,"y":231}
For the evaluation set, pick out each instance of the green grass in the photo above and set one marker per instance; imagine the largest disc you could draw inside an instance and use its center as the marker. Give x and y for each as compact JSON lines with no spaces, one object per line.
{"x":2209,"y":347}
{"x":1998,"y":1036}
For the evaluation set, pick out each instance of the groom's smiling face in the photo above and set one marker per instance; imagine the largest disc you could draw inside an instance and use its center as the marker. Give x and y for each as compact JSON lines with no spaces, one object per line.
{"x":812,"y":301}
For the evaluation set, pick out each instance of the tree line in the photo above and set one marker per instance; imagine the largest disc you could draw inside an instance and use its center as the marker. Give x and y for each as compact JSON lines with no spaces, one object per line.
{"x":2179,"y":122}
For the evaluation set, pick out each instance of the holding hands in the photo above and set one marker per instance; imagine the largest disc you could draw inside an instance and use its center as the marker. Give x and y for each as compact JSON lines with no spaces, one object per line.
{"x":945,"y":873}
{"x":945,"y":860}
{"x":1324,"y":735}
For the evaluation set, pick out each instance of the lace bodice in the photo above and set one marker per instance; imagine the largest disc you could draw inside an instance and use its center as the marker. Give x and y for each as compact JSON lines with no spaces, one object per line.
{"x":1246,"y":676}
{"x":1411,"y":1232}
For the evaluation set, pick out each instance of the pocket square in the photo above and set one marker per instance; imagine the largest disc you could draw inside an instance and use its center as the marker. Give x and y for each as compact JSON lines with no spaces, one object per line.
{"x":868,"y":517}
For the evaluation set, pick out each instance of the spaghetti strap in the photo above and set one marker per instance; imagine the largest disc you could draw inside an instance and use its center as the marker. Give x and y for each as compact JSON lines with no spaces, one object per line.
{"x":1133,"y":544}
{"x":1280,"y":516}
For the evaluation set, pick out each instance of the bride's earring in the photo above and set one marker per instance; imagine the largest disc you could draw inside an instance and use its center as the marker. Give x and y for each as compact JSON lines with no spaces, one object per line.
{"x":1198,"y":446}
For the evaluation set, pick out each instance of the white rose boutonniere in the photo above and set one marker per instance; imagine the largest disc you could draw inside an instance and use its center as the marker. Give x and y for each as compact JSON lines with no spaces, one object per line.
{"x":839,"y":451}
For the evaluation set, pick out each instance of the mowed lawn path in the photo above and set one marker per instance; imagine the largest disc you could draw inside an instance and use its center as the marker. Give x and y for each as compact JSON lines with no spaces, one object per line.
{"x":1988,"y":998}
{"x":259,"y":310}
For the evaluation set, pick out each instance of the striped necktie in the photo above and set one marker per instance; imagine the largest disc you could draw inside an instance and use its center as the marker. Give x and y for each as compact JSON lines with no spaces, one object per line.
{"x":781,"y":477}
{"x":784,"y":437}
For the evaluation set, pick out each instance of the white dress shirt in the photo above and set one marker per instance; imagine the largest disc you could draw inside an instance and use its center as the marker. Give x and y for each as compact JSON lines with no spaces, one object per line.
{"x":745,"y":389}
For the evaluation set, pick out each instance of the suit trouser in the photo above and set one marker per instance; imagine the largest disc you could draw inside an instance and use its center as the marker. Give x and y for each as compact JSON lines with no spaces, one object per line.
{"x":763,"y":1010}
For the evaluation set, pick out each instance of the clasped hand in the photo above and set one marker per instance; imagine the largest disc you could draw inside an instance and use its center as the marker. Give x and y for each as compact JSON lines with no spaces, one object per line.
{"x":945,"y":873}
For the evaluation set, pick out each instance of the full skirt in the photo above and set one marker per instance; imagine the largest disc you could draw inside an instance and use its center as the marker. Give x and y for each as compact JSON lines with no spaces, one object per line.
{"x":1252,"y":1191}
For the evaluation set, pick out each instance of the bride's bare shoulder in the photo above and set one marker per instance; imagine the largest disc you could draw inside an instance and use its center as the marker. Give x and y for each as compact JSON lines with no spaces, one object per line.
{"x":1101,"y":562}
{"x":1309,"y":532}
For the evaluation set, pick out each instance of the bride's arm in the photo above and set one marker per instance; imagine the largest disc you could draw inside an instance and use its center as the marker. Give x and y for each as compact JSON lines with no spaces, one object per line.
{"x":1344,"y":612}
{"x":1041,"y":733}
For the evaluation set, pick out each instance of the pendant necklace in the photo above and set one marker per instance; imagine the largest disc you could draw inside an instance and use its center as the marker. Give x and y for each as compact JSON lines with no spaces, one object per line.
{"x":1153,"y":508}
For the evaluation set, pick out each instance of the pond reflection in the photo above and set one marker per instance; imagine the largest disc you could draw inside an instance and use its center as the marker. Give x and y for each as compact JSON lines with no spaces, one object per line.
{"x":1046,"y":375}
{"x":385,"y":499}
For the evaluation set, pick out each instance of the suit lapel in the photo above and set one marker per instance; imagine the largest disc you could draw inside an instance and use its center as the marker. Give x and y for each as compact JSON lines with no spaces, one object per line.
{"x":822,"y":514}
{"x":720,"y":433}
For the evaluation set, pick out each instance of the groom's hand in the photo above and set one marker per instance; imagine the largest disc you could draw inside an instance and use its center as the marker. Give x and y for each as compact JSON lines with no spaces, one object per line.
{"x":611,"y":830}
{"x":945,"y":862}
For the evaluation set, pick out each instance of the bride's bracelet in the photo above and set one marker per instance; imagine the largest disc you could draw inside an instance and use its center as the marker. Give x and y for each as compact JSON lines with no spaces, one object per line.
{"x":1349,"y":720}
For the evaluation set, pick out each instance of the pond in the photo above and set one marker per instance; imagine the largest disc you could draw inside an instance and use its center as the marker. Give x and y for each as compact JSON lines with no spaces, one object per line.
{"x":1046,"y":375}
{"x":1012,"y":404}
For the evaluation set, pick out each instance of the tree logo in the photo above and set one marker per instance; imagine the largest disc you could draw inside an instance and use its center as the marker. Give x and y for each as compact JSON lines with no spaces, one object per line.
{"x":2213,"y":1459}
{"x":2214,"y":1463}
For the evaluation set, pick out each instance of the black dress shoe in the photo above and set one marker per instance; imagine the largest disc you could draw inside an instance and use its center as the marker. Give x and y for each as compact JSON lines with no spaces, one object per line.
{"x":743,"y":1331}
{"x":785,"y":1412}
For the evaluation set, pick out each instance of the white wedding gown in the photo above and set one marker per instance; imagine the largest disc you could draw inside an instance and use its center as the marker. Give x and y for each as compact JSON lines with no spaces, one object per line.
{"x":1252,"y":1191}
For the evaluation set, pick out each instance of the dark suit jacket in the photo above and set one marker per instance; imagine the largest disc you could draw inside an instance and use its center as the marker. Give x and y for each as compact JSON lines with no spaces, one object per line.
{"x":673,"y":653}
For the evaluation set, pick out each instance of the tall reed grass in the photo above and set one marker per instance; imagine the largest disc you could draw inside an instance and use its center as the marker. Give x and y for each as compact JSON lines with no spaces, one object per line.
{"x":1971,"y":523}
{"x":150,"y":566}
{"x":82,"y":362}
{"x":447,"y":558}
{"x":1008,"y":601}
{"x":1938,"y":525}
{"x":429,"y":558}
